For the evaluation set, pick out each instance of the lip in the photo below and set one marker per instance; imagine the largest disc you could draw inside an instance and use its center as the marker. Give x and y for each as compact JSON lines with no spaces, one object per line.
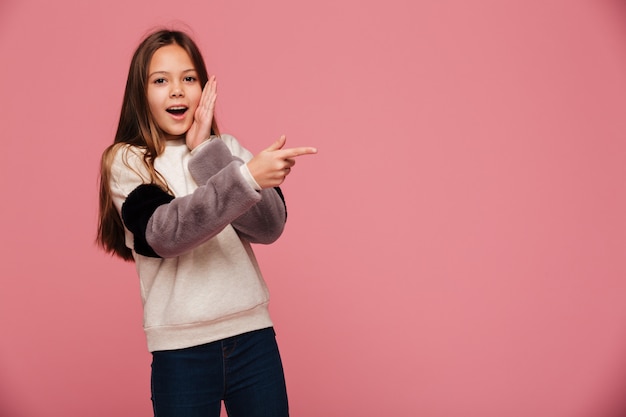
{"x":177,"y":116}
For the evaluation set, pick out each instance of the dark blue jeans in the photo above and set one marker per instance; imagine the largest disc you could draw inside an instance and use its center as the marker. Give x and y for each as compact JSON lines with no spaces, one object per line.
{"x":244,"y":371}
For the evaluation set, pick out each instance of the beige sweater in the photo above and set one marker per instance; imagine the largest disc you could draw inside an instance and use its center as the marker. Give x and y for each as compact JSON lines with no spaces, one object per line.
{"x":200,"y":280}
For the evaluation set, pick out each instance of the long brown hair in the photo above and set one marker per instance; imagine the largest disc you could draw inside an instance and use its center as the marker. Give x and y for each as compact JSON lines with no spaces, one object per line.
{"x":137,"y":128}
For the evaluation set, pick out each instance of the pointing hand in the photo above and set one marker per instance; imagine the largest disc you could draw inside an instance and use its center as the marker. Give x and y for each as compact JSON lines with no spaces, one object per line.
{"x":271,"y":166}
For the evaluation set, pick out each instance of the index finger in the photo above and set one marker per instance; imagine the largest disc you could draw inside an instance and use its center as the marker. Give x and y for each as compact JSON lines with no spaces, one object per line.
{"x":207,"y":90}
{"x":293,"y":152}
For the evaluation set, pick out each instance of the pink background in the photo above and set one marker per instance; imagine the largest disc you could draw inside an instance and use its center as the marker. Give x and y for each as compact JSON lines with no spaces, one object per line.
{"x":456,"y":249}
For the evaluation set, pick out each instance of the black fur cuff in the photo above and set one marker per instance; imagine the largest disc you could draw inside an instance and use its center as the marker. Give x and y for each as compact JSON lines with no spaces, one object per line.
{"x":137,"y":210}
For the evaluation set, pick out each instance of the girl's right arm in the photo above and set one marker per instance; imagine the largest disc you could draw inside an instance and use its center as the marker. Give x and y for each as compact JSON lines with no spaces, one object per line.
{"x":166,"y":227}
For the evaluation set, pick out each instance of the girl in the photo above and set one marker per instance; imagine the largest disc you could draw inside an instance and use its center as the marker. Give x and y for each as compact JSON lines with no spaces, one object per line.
{"x":185,"y":203}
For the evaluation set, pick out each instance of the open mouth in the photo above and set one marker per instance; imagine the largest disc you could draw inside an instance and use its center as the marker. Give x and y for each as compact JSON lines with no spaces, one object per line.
{"x":177,"y":110}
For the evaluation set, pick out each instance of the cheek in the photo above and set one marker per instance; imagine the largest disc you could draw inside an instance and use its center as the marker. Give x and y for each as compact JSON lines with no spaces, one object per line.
{"x":194,"y":97}
{"x":153,"y":101}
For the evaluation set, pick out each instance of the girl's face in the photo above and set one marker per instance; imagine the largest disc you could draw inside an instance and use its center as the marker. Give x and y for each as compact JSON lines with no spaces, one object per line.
{"x":173,"y":90}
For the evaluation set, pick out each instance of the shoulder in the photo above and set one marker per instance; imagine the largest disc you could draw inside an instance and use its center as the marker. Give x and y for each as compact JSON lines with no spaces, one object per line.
{"x":128,"y":154}
{"x":229,"y":140}
{"x":236,"y":149}
{"x":128,"y":164}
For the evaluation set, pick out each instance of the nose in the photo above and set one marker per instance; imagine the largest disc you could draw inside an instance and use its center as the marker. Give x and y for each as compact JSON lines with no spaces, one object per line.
{"x":177,"y":90}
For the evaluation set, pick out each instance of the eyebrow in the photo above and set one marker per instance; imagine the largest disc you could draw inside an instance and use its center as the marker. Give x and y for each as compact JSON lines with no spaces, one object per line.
{"x":167,"y":72}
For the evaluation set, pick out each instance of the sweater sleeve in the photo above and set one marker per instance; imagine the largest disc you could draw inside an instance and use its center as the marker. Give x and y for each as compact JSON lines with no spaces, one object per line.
{"x":137,"y":210}
{"x":164,"y":226}
{"x":186,"y":222}
{"x":264,"y":221}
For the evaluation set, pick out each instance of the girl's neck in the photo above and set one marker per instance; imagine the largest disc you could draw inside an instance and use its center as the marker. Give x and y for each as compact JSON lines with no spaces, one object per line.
{"x":168,"y":138}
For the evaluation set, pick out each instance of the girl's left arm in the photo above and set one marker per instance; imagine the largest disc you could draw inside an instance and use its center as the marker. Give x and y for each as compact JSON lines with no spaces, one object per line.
{"x":264,"y":222}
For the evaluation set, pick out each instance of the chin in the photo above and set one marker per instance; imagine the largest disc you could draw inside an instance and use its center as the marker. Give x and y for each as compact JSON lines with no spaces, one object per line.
{"x":178,"y":132}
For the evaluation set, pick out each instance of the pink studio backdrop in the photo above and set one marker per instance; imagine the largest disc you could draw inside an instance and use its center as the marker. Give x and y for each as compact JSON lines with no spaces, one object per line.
{"x":456,"y":249}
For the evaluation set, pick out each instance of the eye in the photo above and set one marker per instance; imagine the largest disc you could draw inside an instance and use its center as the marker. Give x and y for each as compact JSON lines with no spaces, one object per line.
{"x":159,"y":81}
{"x":189,"y":79}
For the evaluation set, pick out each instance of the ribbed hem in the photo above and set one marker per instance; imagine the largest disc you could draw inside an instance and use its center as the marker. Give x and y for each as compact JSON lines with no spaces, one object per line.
{"x":187,"y":335}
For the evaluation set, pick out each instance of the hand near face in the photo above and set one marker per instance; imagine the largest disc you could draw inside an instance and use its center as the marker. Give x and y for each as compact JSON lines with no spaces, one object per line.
{"x":271,"y":166}
{"x":200,"y":129}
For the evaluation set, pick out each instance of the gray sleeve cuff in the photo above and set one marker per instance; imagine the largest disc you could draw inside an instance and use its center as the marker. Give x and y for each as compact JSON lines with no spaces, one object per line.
{"x":249,"y":178}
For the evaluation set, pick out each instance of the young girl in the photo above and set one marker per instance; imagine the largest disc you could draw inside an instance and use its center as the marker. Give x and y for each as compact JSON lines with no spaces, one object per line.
{"x":185,"y":203}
